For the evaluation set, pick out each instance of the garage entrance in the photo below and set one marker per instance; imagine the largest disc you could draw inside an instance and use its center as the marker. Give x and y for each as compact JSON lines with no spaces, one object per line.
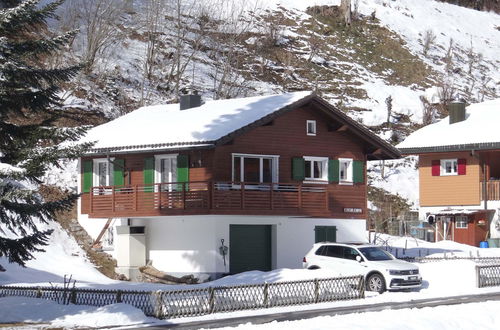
{"x":249,"y":248}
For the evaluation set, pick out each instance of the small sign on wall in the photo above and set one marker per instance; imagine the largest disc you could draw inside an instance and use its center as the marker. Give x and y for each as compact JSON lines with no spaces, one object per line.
{"x":353,"y":210}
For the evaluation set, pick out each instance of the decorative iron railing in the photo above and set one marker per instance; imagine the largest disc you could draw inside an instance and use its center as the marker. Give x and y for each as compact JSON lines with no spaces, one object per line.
{"x":203,"y":301}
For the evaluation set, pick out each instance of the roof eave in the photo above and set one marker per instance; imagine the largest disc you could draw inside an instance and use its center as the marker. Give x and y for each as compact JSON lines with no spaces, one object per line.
{"x":451,"y":148}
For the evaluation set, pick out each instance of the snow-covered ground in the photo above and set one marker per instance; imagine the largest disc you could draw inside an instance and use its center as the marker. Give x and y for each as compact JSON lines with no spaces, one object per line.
{"x":64,"y":257}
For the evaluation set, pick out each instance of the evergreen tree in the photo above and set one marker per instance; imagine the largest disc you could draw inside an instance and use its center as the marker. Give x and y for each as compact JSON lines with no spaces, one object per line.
{"x":30,"y":141}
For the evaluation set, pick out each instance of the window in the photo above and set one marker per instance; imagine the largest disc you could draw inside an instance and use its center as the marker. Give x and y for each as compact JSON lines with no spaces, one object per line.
{"x":316,"y":168}
{"x":449,"y":167}
{"x":102,"y":172}
{"x":461,"y":222}
{"x":345,"y":170}
{"x":166,"y":171}
{"x":255,"y":168}
{"x":311,"y":127}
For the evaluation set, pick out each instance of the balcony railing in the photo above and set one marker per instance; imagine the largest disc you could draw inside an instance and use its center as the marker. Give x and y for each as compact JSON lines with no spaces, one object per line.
{"x":492,"y":189}
{"x":203,"y":197}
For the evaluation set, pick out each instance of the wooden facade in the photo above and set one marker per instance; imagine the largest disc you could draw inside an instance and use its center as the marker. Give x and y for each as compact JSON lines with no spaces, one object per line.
{"x":210,"y":188}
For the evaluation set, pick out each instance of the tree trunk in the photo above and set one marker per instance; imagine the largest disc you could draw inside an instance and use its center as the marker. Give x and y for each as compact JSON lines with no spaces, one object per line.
{"x":158,"y":276}
{"x":345,"y":9}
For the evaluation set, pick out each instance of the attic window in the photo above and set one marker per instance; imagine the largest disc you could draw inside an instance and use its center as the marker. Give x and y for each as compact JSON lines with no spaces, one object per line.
{"x":311,"y":127}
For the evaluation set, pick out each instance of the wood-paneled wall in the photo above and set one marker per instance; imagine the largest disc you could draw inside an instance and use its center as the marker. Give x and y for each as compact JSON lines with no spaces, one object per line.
{"x":453,"y":189}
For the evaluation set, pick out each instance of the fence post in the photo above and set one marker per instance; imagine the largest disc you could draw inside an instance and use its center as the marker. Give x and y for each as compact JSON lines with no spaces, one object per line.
{"x":118,"y":296}
{"x":72,"y":297}
{"x":316,"y":290}
{"x":362,"y":287}
{"x":211,"y":300}
{"x":478,"y":277}
{"x":38,"y":292}
{"x":266,"y":294}
{"x":158,"y":304}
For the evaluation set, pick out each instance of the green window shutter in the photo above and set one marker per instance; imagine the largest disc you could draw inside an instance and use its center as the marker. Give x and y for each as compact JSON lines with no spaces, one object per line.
{"x":333,"y":170}
{"x":87,"y":175}
{"x":358,"y":173}
{"x":325,"y":234}
{"x":149,"y":173}
{"x":182,"y":170}
{"x":298,"y":168}
{"x":118,"y":169}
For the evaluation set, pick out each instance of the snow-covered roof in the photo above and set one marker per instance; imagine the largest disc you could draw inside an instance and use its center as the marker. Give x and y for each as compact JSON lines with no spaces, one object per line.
{"x":166,"y":126}
{"x":479,"y":130}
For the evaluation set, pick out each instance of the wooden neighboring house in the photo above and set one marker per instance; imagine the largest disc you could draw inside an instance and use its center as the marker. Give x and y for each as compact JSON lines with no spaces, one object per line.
{"x":229,"y":185}
{"x":459,"y":171}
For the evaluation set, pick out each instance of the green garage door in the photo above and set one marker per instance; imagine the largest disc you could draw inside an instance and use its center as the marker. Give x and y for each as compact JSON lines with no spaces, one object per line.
{"x":249,"y":248}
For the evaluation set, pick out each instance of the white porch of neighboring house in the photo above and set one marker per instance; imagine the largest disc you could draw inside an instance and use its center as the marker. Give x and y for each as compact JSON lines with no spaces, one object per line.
{"x":181,"y":245}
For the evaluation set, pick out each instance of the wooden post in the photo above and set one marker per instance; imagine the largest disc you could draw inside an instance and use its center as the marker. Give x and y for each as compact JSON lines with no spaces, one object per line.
{"x":113,"y":198}
{"x":136,"y":192}
{"x":211,"y":300}
{"x":300,"y":196}
{"x":209,"y":194}
{"x":73,"y":296}
{"x":478,"y":277}
{"x":184,"y":195}
{"x":316,"y":290}
{"x":266,"y":295}
{"x":159,"y":196}
{"x":271,"y":196}
{"x":158,"y":304}
{"x":242,"y":187}
{"x":118,"y":296}
{"x":91,"y":197}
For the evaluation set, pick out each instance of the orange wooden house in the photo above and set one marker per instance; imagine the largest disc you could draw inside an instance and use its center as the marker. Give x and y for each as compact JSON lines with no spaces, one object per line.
{"x":227,"y":186}
{"x":459,"y":172}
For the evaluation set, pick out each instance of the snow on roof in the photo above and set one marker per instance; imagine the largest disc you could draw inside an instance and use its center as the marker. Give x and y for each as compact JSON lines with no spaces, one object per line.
{"x":481,"y":126}
{"x":167,"y":125}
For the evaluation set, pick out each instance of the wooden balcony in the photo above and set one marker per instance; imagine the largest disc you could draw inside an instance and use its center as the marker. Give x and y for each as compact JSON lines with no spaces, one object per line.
{"x":492,"y":189}
{"x":190,"y":198}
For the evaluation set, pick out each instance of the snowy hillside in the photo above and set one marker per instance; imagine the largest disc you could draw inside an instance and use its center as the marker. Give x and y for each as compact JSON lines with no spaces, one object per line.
{"x":401,"y":49}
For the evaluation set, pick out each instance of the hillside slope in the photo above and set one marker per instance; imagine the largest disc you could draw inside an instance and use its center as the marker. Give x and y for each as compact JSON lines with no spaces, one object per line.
{"x":394,"y":52}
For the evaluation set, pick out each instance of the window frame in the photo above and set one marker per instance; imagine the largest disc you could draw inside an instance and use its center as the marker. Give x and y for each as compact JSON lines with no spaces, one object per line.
{"x":350,"y":171}
{"x":109,"y":171}
{"x":274,"y":166}
{"x":313,"y":131}
{"x":461,"y":219}
{"x":442,"y":163}
{"x":310,"y":179}
{"x":158,"y":174}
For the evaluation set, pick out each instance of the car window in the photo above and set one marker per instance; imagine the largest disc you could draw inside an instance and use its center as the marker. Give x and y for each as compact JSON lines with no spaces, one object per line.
{"x":320,"y":251}
{"x":350,"y":253}
{"x":334,"y":251}
{"x":375,"y":254}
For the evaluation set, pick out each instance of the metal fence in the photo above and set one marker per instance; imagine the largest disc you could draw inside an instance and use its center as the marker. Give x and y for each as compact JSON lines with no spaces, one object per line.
{"x":478,"y":260}
{"x":488,"y":275}
{"x":203,"y":301}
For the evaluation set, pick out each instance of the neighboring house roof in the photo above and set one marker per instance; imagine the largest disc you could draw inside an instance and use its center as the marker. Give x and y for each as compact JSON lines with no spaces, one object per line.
{"x":479,"y":131}
{"x":213,"y":123}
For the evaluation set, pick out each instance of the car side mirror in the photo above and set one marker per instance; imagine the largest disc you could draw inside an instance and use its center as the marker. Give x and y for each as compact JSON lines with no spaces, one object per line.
{"x":359,"y":259}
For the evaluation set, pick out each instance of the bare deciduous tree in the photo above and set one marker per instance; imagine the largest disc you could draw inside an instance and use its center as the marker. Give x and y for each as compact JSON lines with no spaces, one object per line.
{"x":428,"y":40}
{"x":345,"y":9}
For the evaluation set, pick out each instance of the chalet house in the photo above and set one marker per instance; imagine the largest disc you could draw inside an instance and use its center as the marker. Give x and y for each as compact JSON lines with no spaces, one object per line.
{"x":227,"y":186}
{"x":459,"y":172}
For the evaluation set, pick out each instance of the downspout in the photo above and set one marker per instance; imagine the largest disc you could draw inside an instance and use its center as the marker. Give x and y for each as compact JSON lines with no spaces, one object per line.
{"x":485,"y":190}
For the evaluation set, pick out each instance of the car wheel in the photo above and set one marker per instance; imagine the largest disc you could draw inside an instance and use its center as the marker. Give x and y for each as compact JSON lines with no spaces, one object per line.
{"x":375,"y":282}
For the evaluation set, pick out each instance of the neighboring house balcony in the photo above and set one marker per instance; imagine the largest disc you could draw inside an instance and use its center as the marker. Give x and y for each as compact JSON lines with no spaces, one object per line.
{"x":490,"y":190}
{"x":202,"y":197}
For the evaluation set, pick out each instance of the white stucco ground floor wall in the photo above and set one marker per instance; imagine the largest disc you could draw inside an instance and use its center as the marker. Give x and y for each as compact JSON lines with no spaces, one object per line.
{"x":181,"y":245}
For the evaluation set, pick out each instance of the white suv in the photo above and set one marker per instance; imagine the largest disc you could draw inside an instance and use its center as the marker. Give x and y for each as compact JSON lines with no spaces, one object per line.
{"x":381,"y":270}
